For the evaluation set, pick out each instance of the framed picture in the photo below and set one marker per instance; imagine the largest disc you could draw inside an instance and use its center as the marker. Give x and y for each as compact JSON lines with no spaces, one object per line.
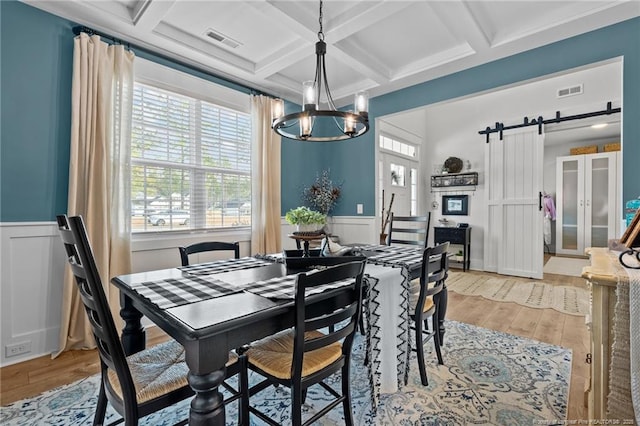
{"x":455,"y":205}
{"x":631,"y":237}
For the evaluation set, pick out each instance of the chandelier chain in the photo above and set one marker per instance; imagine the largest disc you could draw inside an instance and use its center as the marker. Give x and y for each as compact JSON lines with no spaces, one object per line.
{"x":320,"y":33}
{"x":348,"y":124}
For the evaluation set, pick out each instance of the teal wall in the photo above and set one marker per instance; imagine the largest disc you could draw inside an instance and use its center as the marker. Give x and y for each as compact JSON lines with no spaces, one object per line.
{"x":36,"y":65}
{"x":35,"y":70}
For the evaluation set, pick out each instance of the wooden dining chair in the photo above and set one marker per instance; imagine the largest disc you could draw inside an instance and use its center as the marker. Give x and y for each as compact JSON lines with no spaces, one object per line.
{"x":208,"y":246}
{"x":423,"y":303}
{"x":413,"y":230}
{"x":303,"y":356}
{"x":142,"y":383}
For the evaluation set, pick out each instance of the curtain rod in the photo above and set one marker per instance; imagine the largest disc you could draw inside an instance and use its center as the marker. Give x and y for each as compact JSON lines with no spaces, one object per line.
{"x":500,"y":127}
{"x":83,"y":29}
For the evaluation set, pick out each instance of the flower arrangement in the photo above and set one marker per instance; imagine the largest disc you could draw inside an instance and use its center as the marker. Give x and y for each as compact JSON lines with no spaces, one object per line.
{"x":323,"y":194}
{"x":305,"y":216}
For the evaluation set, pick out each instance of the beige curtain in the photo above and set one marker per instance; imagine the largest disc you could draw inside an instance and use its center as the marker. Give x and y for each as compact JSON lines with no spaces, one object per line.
{"x":265,"y":179}
{"x":99,"y":173}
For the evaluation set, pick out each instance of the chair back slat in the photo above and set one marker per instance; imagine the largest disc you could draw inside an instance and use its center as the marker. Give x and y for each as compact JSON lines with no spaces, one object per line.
{"x":338,"y":312}
{"x":435,"y":266}
{"x":208,"y":246}
{"x":400,"y":231}
{"x":83,"y":267}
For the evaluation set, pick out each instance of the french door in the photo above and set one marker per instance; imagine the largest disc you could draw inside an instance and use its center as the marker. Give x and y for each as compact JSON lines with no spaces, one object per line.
{"x":399,"y":176}
{"x":513,"y":244}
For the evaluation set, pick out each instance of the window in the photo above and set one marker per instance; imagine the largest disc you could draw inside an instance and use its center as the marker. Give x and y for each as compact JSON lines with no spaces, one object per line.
{"x":398,"y":147}
{"x":190,"y":162}
{"x":414,"y":191}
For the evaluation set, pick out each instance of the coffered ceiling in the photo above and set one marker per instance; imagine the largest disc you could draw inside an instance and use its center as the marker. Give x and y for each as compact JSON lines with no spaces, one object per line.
{"x":379,"y":46}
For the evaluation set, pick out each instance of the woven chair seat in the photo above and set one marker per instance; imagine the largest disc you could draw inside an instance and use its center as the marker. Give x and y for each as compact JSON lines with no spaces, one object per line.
{"x":414,"y":293}
{"x":274,"y":355}
{"x":157,"y":371}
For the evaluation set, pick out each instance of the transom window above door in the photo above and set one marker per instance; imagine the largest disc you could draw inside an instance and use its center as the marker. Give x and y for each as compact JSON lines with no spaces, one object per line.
{"x":398,"y":147}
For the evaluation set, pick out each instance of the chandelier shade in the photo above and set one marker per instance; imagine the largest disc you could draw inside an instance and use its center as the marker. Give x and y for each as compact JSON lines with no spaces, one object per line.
{"x":337,"y":125}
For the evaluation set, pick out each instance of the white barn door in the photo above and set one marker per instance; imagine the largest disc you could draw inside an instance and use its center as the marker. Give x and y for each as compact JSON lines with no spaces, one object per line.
{"x":513,"y":242}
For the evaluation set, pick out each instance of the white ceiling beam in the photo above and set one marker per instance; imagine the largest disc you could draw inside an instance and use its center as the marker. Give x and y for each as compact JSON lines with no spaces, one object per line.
{"x":274,"y":14}
{"x":288,"y":56}
{"x":348,"y":24}
{"x":149,"y":13}
{"x":361,"y":65}
{"x":461,"y":22}
{"x":283,"y":58}
{"x":434,"y":61}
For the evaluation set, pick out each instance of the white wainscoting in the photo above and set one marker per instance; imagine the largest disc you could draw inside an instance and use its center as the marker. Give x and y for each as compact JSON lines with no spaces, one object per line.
{"x":32,"y":271}
{"x":31,"y":288}
{"x":350,"y":230}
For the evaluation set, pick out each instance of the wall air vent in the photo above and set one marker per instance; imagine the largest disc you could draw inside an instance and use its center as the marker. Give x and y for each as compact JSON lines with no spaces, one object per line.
{"x":570,"y":91}
{"x":221,"y":38}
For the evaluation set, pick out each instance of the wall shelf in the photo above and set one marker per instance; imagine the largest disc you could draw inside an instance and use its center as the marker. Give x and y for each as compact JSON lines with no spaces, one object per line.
{"x":442,"y":182}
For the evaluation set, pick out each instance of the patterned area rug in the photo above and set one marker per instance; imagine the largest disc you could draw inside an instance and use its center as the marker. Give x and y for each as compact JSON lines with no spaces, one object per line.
{"x":490,"y":378}
{"x":534,"y":294}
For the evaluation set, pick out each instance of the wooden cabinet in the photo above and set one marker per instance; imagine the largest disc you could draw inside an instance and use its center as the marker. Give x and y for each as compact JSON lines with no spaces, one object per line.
{"x":586,"y":201}
{"x":461,"y":236}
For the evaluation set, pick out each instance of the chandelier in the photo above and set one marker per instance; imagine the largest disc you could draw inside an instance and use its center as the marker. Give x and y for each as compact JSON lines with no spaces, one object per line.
{"x":334,"y":124}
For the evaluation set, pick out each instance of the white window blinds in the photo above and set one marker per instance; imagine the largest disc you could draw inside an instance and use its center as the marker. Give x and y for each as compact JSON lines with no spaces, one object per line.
{"x":191,"y":162}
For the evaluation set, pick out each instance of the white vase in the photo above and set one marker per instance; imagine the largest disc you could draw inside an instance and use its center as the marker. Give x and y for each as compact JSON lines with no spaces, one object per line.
{"x":312,"y":227}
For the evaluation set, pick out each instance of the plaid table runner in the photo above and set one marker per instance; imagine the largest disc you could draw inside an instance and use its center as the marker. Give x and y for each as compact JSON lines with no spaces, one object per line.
{"x":284,"y":287}
{"x":220,"y":266}
{"x":394,"y":256}
{"x":172,"y":292}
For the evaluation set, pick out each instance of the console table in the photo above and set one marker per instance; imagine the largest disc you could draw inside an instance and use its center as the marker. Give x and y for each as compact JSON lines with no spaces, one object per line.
{"x":609,"y":316}
{"x":455,"y":236}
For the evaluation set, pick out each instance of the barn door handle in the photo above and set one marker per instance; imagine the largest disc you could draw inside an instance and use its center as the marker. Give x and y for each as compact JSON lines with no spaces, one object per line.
{"x":540,"y":201}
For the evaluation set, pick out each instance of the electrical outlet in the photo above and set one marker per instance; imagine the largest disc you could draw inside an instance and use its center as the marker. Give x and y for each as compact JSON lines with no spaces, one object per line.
{"x":17,"y":348}
{"x":359,"y":208}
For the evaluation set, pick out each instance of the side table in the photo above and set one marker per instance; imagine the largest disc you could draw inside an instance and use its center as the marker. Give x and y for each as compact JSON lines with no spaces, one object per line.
{"x":455,"y":236}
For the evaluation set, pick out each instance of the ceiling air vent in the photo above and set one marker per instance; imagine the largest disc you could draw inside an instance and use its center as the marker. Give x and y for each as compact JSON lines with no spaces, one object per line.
{"x":570,"y":91}
{"x":221,"y":38}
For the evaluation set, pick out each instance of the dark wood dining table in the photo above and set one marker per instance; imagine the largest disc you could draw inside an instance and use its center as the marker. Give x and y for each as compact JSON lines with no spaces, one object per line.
{"x":208,"y":329}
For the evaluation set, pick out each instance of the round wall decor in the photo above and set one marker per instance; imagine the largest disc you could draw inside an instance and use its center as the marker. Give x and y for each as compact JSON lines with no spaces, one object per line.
{"x":453,"y":165}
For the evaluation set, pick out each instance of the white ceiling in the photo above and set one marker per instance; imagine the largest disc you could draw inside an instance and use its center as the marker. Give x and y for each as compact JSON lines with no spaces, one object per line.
{"x":379,"y":46}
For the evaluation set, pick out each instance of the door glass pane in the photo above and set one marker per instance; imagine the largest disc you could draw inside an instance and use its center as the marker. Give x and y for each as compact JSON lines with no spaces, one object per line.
{"x":569,"y":205}
{"x":397,"y":174}
{"x":598,"y":204}
{"x":599,"y":198}
{"x":599,"y":236}
{"x":570,"y":237}
{"x":570,"y":193}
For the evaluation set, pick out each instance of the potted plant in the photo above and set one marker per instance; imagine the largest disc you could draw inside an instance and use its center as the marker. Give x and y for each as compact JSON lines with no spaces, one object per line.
{"x":305,"y":219}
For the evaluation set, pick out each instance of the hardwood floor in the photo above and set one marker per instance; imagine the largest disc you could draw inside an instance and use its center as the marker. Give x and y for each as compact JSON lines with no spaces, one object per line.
{"x":30,"y":378}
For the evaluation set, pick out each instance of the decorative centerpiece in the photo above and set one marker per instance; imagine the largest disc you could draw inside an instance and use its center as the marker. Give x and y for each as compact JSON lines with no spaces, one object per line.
{"x":322,"y":196}
{"x":307,"y":221}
